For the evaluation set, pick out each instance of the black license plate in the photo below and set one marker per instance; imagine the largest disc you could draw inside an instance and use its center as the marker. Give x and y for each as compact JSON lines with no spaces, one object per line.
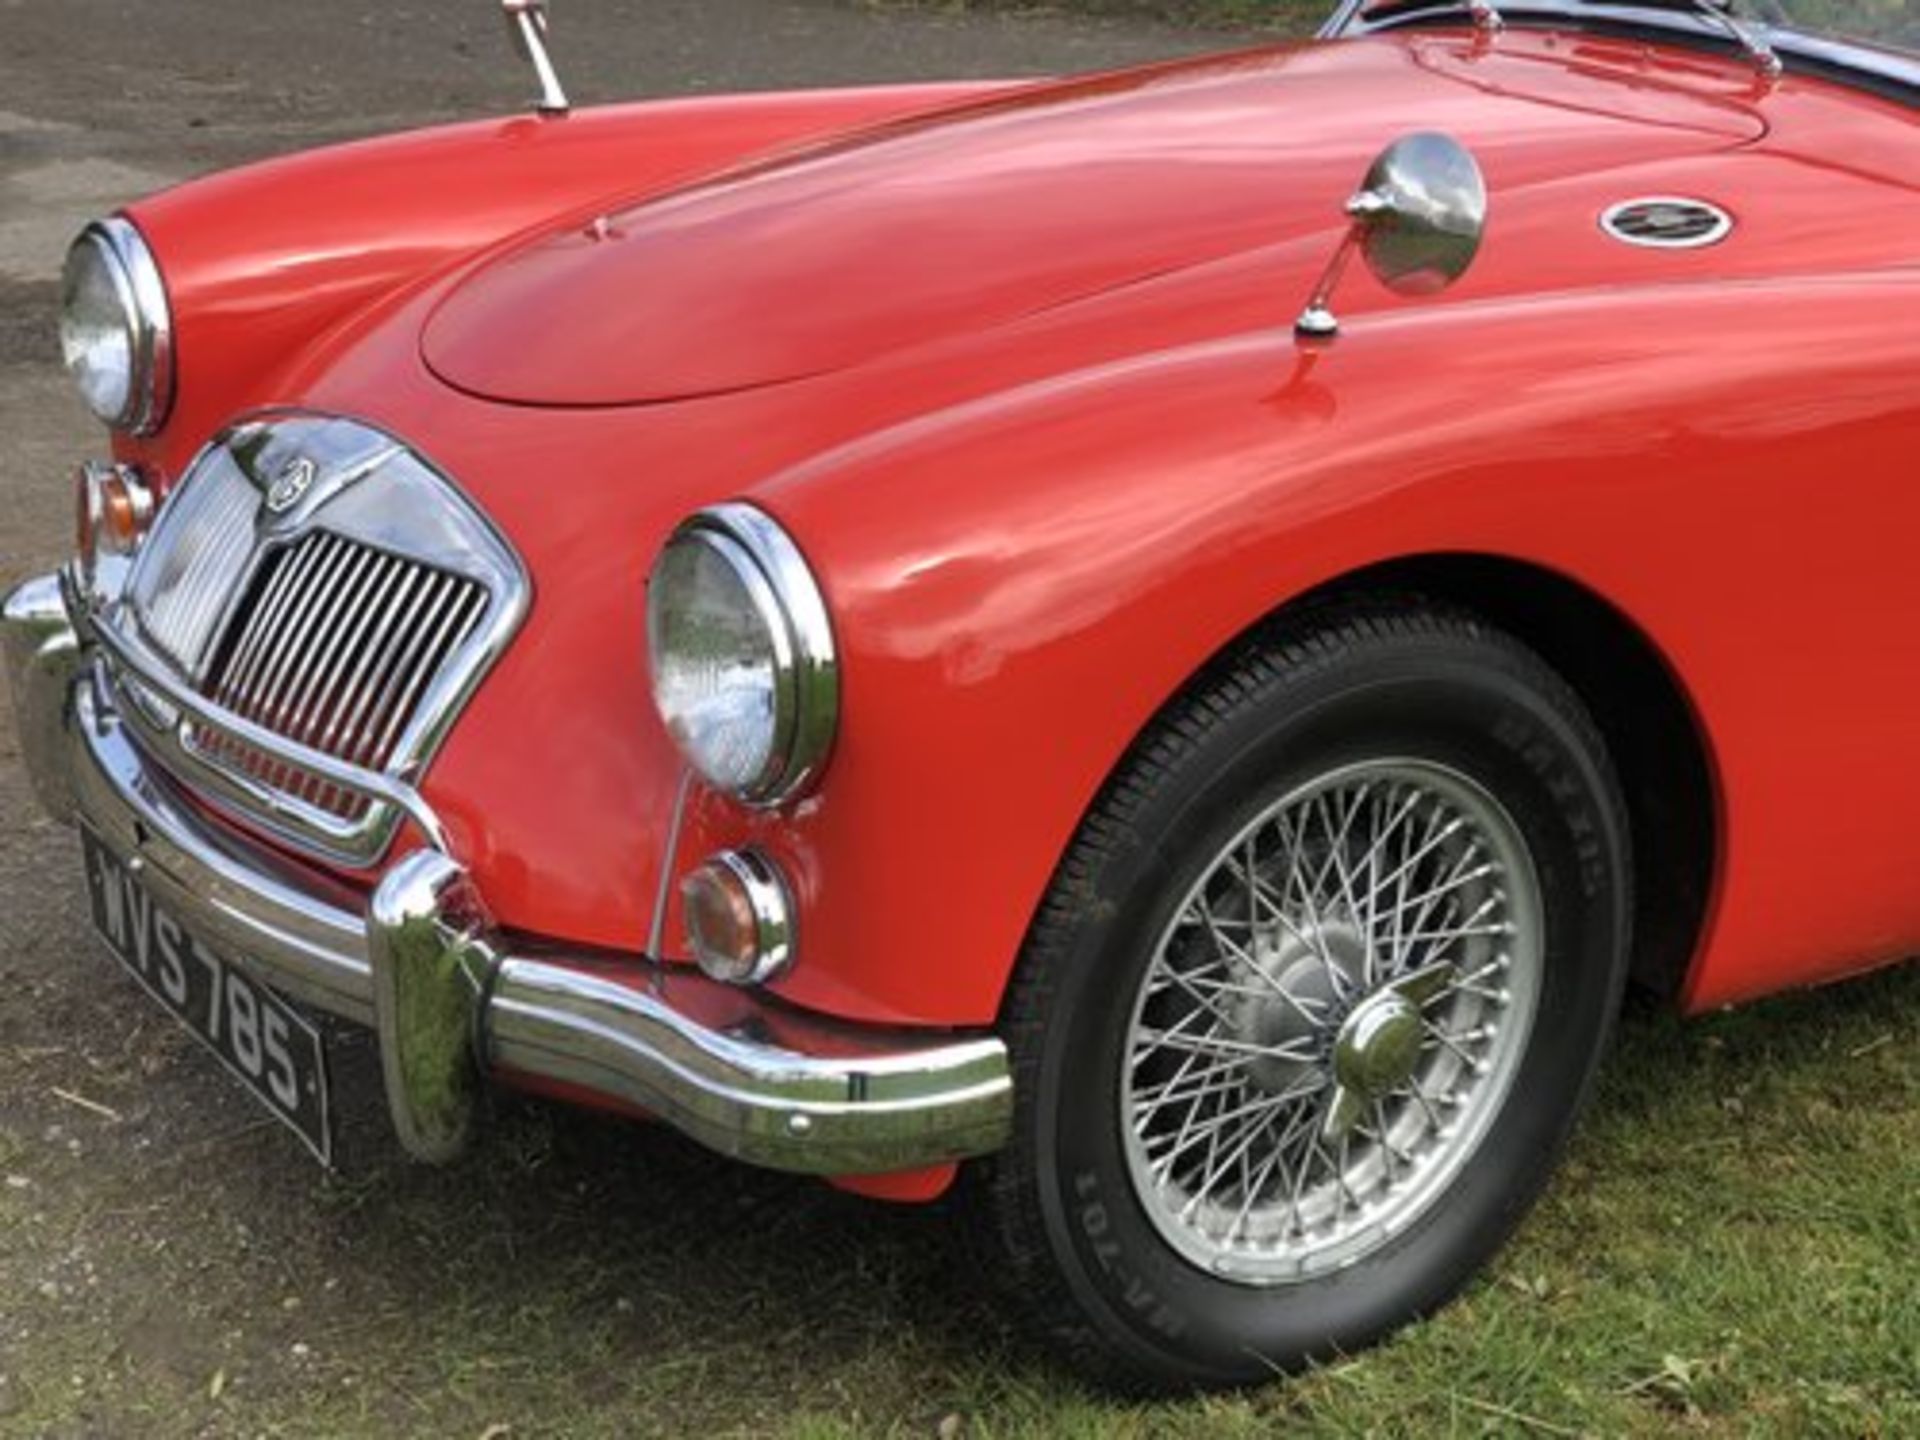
{"x":276,"y":1052}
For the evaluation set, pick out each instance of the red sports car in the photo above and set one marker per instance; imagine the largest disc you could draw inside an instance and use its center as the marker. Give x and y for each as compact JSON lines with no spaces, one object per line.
{"x":946,"y":632}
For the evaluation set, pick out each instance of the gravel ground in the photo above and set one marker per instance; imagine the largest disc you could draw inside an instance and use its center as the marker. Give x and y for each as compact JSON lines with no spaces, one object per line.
{"x":169,"y":1263}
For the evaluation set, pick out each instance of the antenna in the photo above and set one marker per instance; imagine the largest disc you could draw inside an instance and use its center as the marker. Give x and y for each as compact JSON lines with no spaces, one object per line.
{"x":527,"y":24}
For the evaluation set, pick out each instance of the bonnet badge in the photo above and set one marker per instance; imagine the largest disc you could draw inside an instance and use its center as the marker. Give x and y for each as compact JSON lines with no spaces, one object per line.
{"x":296,"y":477}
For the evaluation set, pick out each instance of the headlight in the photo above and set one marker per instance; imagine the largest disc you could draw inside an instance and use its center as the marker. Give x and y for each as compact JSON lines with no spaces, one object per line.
{"x":744,"y":670}
{"x":115,"y":332}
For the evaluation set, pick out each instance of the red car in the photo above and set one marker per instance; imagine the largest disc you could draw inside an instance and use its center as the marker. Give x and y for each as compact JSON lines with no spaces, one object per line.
{"x":945,"y":631}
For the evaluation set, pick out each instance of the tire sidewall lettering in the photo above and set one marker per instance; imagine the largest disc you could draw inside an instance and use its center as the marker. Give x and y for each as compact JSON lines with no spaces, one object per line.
{"x":1148,"y":1299}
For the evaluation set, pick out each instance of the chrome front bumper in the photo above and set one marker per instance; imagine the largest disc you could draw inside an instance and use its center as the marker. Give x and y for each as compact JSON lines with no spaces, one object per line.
{"x":451,"y":1000}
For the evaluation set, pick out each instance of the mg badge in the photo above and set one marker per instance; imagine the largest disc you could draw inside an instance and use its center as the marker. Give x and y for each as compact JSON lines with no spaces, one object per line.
{"x":296,"y":477}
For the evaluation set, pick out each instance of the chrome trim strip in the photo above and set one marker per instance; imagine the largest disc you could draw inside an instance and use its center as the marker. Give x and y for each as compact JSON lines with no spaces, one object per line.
{"x":150,"y":393}
{"x":1875,"y":67}
{"x":1890,"y":67}
{"x":816,"y":656}
{"x":420,"y":956}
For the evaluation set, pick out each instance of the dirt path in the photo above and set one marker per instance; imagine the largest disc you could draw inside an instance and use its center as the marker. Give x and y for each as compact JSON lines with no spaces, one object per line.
{"x":168,"y":1263}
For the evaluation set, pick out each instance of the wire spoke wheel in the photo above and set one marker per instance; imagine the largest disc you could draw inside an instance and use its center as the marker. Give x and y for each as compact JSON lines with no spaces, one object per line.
{"x":1314,"y":1002}
{"x":1331,"y":1021}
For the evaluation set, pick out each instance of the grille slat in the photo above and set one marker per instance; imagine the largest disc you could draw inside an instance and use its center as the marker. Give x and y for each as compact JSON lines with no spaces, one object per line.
{"x":423,"y":658}
{"x":294,"y":644}
{"x":374,"y":589}
{"x":249,"y":653}
{"x":182,"y":589}
{"x":340,"y":730}
{"x":460,"y":620}
{"x":200,"y":607}
{"x":381,"y":655}
{"x":293,"y":570}
{"x":334,"y":648}
{"x":341,"y":627}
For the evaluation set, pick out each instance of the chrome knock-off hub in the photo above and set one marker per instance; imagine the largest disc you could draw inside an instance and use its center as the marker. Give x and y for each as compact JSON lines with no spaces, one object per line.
{"x":1378,"y":1045}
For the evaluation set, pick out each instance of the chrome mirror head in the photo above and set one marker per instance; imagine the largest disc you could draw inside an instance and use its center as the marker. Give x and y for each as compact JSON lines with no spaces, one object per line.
{"x":527,"y":24}
{"x":1422,"y":211}
{"x":1418,"y":219}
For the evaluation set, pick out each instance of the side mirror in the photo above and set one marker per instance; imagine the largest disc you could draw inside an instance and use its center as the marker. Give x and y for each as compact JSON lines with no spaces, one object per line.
{"x":1417,"y":221}
{"x":527,"y":25}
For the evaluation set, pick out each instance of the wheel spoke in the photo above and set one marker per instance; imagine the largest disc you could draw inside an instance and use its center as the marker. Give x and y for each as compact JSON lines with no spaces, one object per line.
{"x":1185,"y":1085}
{"x":1256,"y":1184}
{"x":1437,"y":1036}
{"x":1206,"y":1002}
{"x":1244,"y":955}
{"x":1422,"y":906}
{"x":1322,"y":1018}
{"x":1419,"y":1098}
{"x":1221,"y":1045}
{"x":1250,"y":1131}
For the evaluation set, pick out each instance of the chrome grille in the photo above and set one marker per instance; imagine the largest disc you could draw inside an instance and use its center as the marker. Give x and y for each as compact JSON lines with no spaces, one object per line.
{"x":332,"y":648}
{"x":313,"y":606}
{"x":181,"y":589}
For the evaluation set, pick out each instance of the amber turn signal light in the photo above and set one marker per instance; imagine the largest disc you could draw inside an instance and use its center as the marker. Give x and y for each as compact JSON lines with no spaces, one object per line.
{"x":739,"y":919}
{"x":113,"y":506}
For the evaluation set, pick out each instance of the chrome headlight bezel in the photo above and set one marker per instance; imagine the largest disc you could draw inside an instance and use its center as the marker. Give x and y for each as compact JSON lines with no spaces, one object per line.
{"x":114,"y":251}
{"x":781,"y":597}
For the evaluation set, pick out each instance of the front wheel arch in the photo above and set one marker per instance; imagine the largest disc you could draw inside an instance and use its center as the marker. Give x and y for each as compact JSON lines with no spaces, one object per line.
{"x":1653,"y":731}
{"x":1654,"y":734}
{"x":1066,"y":1234}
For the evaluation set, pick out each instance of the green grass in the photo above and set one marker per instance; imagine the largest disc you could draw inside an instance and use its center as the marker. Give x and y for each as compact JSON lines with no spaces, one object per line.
{"x":1730,"y":1251}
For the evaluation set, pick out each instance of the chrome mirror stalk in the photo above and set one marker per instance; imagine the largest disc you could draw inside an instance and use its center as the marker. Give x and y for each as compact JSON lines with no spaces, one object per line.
{"x":528,"y":25}
{"x":1417,"y":220}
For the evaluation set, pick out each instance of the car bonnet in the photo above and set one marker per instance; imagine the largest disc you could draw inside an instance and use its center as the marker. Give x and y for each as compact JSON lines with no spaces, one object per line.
{"x":977,"y":217}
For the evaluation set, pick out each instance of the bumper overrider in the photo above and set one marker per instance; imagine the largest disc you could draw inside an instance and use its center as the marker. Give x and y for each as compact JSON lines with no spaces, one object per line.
{"x":451,"y":1001}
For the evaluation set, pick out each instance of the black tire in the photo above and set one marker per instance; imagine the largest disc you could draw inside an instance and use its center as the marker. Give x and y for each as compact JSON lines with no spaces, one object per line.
{"x":1080,"y":1256}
